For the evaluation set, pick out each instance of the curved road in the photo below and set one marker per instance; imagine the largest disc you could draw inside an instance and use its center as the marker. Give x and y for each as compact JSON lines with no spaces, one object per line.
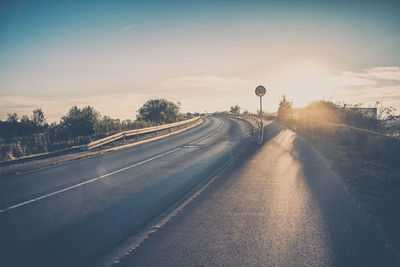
{"x":75,"y":212}
{"x":276,"y":205}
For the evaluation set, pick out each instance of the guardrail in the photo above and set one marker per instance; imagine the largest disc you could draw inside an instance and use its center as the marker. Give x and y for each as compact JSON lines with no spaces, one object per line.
{"x":252,"y":119}
{"x":137,"y":132}
{"x":256,"y":123}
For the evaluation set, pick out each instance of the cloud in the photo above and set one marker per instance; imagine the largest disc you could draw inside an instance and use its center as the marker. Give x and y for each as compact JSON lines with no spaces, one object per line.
{"x":370,"y":85}
{"x":127,"y":28}
{"x":351,"y":79}
{"x":218,"y":92}
{"x":384,"y":73}
{"x":196,"y":93}
{"x":377,"y":76}
{"x":207,"y":85}
{"x":115,"y":105}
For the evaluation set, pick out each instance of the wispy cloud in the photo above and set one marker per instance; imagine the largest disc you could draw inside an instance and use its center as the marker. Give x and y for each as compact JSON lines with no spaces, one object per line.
{"x":371,"y":78}
{"x":215,"y":85}
{"x":114,"y":105}
{"x":383,"y":73}
{"x":370,"y":85}
{"x":376,"y":74}
{"x":127,"y":28}
{"x":209,"y":92}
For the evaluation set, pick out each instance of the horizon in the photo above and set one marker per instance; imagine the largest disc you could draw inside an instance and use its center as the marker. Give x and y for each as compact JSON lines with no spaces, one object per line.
{"x":208,"y":56}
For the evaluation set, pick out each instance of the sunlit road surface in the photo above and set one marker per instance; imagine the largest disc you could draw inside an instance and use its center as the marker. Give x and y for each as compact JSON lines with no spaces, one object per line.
{"x":278,"y":205}
{"x":75,"y":213}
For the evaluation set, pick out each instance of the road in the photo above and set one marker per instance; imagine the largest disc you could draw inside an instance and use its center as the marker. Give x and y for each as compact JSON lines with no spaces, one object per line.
{"x":72,"y":214}
{"x":276,"y":205}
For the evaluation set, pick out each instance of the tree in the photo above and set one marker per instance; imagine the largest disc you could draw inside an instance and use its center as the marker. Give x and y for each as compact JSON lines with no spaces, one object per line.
{"x":26,"y":126}
{"x":159,"y":111}
{"x":386,"y":113}
{"x":285,"y":110}
{"x":25,"y":120}
{"x":80,"y":122}
{"x":12,"y":117}
{"x":109,"y":125}
{"x":38,"y":117}
{"x":235,"y":109}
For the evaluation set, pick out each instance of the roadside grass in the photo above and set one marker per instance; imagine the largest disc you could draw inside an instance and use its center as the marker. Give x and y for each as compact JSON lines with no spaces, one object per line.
{"x":375,"y":185}
{"x":41,"y":155}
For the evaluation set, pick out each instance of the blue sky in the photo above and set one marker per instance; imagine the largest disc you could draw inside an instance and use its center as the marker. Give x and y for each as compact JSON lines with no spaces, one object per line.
{"x":208,"y":55}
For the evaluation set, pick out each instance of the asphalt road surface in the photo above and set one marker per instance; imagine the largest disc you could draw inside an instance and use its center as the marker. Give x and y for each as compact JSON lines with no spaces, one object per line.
{"x":276,"y":205}
{"x":74,"y":213}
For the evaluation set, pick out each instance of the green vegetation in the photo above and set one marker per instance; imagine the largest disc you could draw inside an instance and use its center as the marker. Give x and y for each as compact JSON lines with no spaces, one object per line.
{"x":285,"y":110}
{"x":80,"y":122}
{"x":235,"y":109}
{"x":32,"y":135}
{"x":159,"y":111}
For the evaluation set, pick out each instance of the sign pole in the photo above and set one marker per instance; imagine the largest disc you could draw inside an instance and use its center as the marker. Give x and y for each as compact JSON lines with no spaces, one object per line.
{"x":261,"y":135}
{"x":260,"y":91}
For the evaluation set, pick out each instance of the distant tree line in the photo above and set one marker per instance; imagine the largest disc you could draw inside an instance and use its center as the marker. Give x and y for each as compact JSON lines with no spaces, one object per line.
{"x":14,"y":126}
{"x":29,"y":135}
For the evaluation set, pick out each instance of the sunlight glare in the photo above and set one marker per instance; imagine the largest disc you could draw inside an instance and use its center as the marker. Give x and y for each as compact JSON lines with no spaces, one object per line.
{"x":305,"y":81}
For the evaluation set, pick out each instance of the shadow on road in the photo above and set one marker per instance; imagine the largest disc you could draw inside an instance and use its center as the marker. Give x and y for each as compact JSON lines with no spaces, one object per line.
{"x":353,"y":239}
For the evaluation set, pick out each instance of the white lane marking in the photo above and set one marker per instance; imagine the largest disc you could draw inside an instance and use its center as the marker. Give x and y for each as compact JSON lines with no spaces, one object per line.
{"x":136,"y":241}
{"x":88,"y":181}
{"x":105,"y":175}
{"x":131,"y":244}
{"x":190,"y":146}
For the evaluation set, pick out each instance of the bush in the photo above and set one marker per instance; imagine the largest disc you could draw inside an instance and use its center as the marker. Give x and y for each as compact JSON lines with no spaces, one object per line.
{"x":285,"y":111}
{"x":159,"y":111}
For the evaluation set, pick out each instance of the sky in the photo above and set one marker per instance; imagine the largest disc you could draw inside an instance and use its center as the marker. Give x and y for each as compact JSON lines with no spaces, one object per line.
{"x":208,"y":55}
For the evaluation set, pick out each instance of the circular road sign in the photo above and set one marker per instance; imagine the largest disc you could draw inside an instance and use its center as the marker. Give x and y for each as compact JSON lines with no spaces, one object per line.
{"x":260,"y":90}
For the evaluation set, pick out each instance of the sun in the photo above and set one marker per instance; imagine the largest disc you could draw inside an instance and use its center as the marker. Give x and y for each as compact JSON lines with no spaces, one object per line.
{"x":305,"y":81}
